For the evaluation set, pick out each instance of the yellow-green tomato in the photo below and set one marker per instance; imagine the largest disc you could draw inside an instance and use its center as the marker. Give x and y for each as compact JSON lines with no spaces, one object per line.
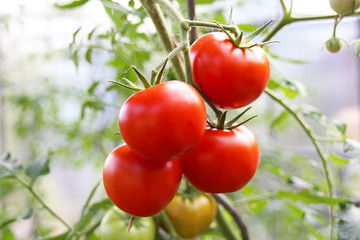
{"x":357,"y":47}
{"x":191,"y":217}
{"x":344,"y":6}
{"x":115,"y":223}
{"x":334,"y":44}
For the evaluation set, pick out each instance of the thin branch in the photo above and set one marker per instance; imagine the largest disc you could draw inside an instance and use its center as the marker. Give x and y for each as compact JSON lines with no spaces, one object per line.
{"x":221,"y":198}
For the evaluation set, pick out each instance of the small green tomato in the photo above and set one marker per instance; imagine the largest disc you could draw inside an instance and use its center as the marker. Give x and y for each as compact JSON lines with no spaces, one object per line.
{"x":114,"y":226}
{"x":334,"y":44}
{"x":344,"y":6}
{"x":357,"y":47}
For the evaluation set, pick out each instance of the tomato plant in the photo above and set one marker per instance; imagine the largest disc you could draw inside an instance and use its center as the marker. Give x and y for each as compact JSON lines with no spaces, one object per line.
{"x":191,"y":216}
{"x":224,"y":160}
{"x":229,"y":76}
{"x":164,"y":121}
{"x":138,"y":186}
{"x":114,"y":226}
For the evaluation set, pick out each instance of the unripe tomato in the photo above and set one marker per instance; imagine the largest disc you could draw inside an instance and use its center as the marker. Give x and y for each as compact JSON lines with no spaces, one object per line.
{"x":164,"y":121}
{"x":224,"y":160}
{"x":114,"y":226}
{"x":229,"y":76}
{"x":357,"y":47}
{"x":138,"y":186}
{"x":334,"y":44}
{"x":191,"y":217}
{"x":344,"y":6}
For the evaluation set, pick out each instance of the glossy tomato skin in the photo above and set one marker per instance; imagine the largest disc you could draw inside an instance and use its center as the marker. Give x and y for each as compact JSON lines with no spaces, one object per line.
{"x":138,"y":186}
{"x":115,"y":223}
{"x":224,"y":160}
{"x":229,"y":76}
{"x":164,"y":121}
{"x":191,"y":217}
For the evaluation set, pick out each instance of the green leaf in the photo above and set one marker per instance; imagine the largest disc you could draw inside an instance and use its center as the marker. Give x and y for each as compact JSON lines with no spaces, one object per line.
{"x":280,"y":122}
{"x":289,"y":92}
{"x":93,"y":86}
{"x":353,"y":147}
{"x":5,"y":223}
{"x":92,"y":104}
{"x":274,"y":83}
{"x":340,"y":126}
{"x":204,"y":1}
{"x":74,"y":36}
{"x":306,"y":197}
{"x":9,"y":166}
{"x":7,"y":234}
{"x":91,"y":33}
{"x":296,"y":211}
{"x":88,"y":55}
{"x":349,"y":224}
{"x":37,"y":168}
{"x":74,"y":4}
{"x":338,"y":160}
{"x":313,"y":113}
{"x":76,"y":58}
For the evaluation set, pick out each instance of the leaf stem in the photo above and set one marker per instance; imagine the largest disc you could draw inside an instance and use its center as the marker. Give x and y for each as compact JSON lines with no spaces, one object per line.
{"x":304,"y":125}
{"x":221,"y":198}
{"x":37,"y":196}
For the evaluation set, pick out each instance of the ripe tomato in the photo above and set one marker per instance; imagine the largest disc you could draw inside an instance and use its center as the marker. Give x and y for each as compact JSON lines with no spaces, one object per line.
{"x":344,"y":6}
{"x":229,"y":76}
{"x":191,"y":217}
{"x":115,"y":223}
{"x":164,"y":121}
{"x":224,"y":160}
{"x":138,"y":186}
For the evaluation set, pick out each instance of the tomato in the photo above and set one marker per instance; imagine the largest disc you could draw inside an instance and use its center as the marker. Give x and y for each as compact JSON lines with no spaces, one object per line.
{"x":334,"y":44}
{"x":164,"y":121}
{"x":191,"y":217}
{"x":229,"y":76}
{"x":344,"y":6}
{"x":224,"y":160}
{"x":138,"y":186}
{"x":115,"y":223}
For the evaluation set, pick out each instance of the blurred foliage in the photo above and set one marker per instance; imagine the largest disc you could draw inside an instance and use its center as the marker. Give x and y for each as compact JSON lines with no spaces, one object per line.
{"x":287,"y":199}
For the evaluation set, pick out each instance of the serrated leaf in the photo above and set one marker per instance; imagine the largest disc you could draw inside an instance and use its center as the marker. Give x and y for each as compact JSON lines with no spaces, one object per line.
{"x":88,"y":55}
{"x":37,"y":168}
{"x":280,"y":122}
{"x":349,"y":224}
{"x":306,"y":197}
{"x":204,"y":1}
{"x":74,"y":4}
{"x":338,"y":160}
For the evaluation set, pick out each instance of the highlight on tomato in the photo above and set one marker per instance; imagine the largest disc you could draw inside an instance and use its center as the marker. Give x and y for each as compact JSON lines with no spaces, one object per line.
{"x":138,"y":186}
{"x":191,"y":216}
{"x":224,"y":160}
{"x":114,"y":226}
{"x":164,"y":121}
{"x":230,"y":76}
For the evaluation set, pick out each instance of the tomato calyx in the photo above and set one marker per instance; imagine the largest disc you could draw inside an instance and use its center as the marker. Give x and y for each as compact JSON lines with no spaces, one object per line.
{"x":244,"y":42}
{"x":159,"y":78}
{"x":222,"y":124}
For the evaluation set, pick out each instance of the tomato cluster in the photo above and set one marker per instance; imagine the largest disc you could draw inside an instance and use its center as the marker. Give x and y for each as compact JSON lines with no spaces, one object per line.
{"x":166,"y":135}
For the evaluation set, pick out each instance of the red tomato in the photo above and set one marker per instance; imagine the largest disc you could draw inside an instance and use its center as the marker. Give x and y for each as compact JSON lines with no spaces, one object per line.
{"x":224,"y":160}
{"x":138,"y":186}
{"x":164,"y":121}
{"x":229,"y":76}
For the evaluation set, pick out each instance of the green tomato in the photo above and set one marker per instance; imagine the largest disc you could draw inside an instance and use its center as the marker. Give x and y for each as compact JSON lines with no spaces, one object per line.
{"x":334,"y":44}
{"x":115,"y":223}
{"x":357,"y":47}
{"x":344,"y":6}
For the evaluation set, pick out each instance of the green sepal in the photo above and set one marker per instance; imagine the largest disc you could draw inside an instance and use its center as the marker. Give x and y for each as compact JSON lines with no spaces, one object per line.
{"x":141,"y":77}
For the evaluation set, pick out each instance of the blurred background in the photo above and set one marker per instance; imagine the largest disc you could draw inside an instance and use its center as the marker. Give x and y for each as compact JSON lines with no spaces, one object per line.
{"x":55,"y":101}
